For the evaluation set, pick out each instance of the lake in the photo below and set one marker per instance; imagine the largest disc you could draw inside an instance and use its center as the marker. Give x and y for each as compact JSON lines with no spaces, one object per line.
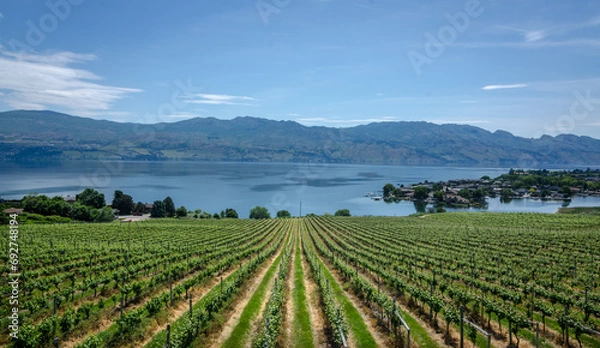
{"x":212,"y":187}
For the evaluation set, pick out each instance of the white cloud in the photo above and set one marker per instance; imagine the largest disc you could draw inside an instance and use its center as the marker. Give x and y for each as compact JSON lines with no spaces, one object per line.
{"x":343,"y":122}
{"x":220,"y":99}
{"x":467,"y":122}
{"x":182,"y":116}
{"x":1,"y":15}
{"x":531,"y":44}
{"x":493,"y":87}
{"x":534,"y":35}
{"x":47,"y":81}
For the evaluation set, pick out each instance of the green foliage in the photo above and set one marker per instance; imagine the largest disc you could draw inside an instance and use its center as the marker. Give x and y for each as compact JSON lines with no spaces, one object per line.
{"x":259,"y":213}
{"x":139,"y":207}
{"x":102,"y":215}
{"x":181,"y":212}
{"x":506,"y":194}
{"x":169,"y":207}
{"x":158,"y":210}
{"x":388,"y":190}
{"x":478,"y":195}
{"x":154,"y":306}
{"x":231,"y":213}
{"x":342,"y":212}
{"x":29,"y":337}
{"x":81,"y":212}
{"x":44,"y":209}
{"x":421,"y":192}
{"x":465,"y":193}
{"x":122,"y":202}
{"x":472,"y":334}
{"x":91,"y":342}
{"x":41,"y":204}
{"x":283,"y":214}
{"x":452,"y":316}
{"x":4,"y":219}
{"x":92,"y":198}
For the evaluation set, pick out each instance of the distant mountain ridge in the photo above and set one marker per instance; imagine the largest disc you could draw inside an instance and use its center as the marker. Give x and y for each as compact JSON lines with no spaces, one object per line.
{"x":34,"y":135}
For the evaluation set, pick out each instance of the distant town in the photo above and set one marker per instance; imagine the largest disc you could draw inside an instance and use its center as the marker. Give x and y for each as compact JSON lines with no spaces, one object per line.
{"x":516,"y":184}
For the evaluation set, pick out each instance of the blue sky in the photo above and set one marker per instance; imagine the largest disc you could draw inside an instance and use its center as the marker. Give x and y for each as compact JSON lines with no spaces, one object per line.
{"x":528,"y":67}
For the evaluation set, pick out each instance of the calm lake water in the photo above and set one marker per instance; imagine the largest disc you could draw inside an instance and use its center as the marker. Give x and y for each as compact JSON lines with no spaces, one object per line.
{"x":212,"y":187}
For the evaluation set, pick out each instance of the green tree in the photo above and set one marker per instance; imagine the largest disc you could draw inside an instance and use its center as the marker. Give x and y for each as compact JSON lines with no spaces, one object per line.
{"x":231,"y":213}
{"x":342,"y":212}
{"x":439,"y":196}
{"x":139,"y":207}
{"x":122,"y":202}
{"x":388,"y":190}
{"x":259,"y":213}
{"x":158,"y":209}
{"x":91,"y":198}
{"x":283,"y":214}
{"x":216,"y":216}
{"x":169,"y":207}
{"x":81,"y":212}
{"x":421,"y":192}
{"x":102,"y":215}
{"x":181,"y":212}
{"x":4,"y":219}
{"x":465,"y":193}
{"x":479,"y":194}
{"x":506,"y":194}
{"x":566,"y":191}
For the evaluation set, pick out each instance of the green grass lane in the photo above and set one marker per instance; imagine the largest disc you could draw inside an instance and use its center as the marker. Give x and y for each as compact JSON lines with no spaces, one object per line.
{"x":240,"y":333}
{"x":357,"y":326}
{"x":302,"y":334}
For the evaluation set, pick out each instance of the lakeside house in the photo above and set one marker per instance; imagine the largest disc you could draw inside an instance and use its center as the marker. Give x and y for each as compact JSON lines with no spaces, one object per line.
{"x":10,"y":211}
{"x":470,"y":191}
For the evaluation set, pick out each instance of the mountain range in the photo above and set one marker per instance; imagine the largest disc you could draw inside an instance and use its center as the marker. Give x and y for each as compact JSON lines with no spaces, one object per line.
{"x":46,"y":135}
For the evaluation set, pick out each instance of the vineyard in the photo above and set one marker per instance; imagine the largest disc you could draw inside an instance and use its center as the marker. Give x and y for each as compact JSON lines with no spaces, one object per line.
{"x":455,"y":279}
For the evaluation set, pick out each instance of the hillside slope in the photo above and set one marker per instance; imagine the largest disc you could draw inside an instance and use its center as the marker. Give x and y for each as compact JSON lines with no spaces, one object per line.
{"x":33,"y":135}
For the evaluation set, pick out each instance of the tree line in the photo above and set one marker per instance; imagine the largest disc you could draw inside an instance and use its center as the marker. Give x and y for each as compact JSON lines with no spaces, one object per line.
{"x":91,"y":206}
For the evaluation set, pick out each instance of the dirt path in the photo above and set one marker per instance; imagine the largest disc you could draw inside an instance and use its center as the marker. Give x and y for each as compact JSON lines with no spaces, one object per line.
{"x":288,"y":304}
{"x":240,"y":303}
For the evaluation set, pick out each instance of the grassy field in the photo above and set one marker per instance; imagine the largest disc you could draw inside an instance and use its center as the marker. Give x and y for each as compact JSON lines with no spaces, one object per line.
{"x":117,"y":284}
